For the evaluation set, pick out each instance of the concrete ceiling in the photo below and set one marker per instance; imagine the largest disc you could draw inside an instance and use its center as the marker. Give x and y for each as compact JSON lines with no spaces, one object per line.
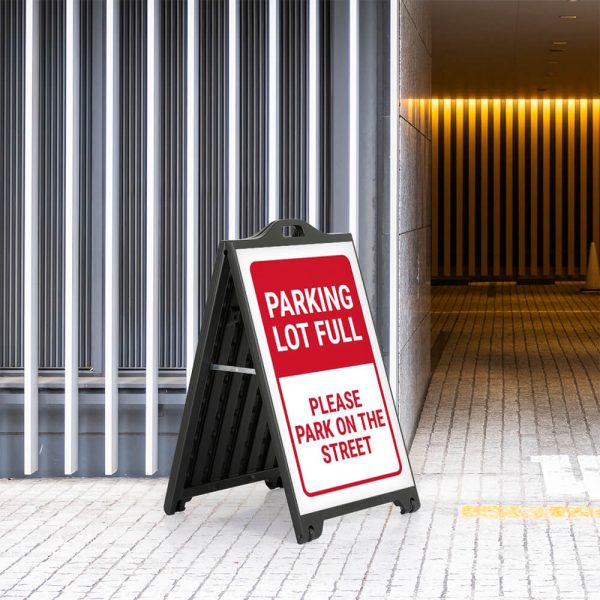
{"x":505,"y":48}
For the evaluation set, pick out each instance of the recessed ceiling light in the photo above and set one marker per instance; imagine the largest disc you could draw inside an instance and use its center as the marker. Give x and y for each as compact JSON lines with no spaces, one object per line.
{"x":568,"y":17}
{"x":559,"y":43}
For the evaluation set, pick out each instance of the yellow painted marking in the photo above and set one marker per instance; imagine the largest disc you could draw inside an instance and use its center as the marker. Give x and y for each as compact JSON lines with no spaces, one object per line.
{"x":497,"y":511}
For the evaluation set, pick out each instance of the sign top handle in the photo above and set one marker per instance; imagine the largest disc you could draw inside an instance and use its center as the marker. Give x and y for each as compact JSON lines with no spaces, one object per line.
{"x":284,"y":229}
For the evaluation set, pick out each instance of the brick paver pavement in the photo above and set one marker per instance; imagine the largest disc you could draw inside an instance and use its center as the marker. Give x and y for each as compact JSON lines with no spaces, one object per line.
{"x":518,"y":376}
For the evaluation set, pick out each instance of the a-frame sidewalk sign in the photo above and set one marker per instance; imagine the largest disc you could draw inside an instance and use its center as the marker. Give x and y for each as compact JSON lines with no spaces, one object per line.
{"x":288,"y":384}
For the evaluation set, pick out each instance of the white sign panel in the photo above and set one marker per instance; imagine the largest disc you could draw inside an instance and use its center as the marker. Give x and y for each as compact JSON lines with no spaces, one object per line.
{"x":331,"y":396}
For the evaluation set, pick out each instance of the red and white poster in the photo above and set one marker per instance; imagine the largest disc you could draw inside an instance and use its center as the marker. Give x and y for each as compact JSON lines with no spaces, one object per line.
{"x":331,"y":396}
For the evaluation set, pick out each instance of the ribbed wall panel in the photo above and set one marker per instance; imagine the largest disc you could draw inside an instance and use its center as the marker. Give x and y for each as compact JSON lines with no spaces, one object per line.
{"x":293,"y":44}
{"x":253,"y":44}
{"x":87,"y":105}
{"x":213,"y":94}
{"x":12,"y":38}
{"x":132,"y":110}
{"x":212,"y":172}
{"x":173,"y":134}
{"x":51,"y":183}
{"x":252,"y":109}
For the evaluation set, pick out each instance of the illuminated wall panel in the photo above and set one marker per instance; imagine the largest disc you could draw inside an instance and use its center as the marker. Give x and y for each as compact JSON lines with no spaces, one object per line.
{"x":515,"y":183}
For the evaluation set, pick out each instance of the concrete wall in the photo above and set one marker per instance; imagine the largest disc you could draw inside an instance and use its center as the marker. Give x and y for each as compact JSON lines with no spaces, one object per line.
{"x":414,"y":189}
{"x":414,"y":201}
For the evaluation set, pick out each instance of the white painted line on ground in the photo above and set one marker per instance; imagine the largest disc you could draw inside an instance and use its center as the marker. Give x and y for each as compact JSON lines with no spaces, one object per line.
{"x":590,"y":471}
{"x":559,"y":478}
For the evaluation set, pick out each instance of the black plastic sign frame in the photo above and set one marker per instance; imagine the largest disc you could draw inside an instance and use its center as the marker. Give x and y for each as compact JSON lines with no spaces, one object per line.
{"x":288,"y":384}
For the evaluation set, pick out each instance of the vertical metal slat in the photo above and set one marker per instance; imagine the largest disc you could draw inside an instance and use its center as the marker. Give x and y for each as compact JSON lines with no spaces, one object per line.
{"x":192,"y":196}
{"x":353,"y":150}
{"x":30,"y":293}
{"x":111,"y":245}
{"x":393,"y":201}
{"x":152,"y":231}
{"x":232,"y":122}
{"x":72,"y":297}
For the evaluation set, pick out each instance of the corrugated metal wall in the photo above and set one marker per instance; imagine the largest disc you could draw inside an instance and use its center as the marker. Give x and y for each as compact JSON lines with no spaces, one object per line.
{"x":213,"y":90}
{"x":516,"y":187}
{"x":12,"y":38}
{"x":111,"y":130}
{"x":88,"y":104}
{"x":173,"y":132}
{"x":51,"y":183}
{"x":293,"y":109}
{"x":133,"y":181}
{"x":253,"y":103}
{"x":51,"y":191}
{"x":212,"y":112}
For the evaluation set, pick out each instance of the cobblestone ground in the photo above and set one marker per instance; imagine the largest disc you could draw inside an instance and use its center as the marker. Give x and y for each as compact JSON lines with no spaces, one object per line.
{"x":517,"y":376}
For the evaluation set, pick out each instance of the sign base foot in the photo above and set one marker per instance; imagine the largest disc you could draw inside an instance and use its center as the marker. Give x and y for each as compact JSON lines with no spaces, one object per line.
{"x":409,"y":501}
{"x":307,"y":533}
{"x":273,"y":484}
